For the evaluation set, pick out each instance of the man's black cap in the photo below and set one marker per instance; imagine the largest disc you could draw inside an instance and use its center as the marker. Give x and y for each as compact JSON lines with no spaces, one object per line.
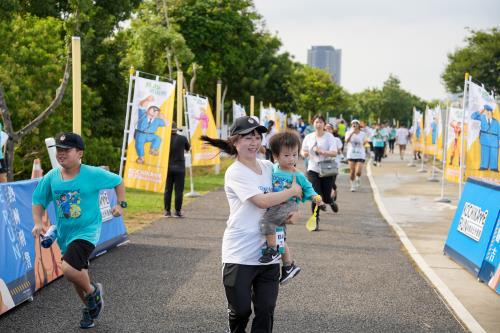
{"x":69,"y":140}
{"x":245,"y":125}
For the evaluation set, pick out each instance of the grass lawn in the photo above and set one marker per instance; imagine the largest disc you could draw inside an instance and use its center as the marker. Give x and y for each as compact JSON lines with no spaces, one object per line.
{"x":145,"y":207}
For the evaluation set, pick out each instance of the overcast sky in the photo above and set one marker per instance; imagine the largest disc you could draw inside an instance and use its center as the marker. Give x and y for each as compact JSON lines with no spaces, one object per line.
{"x":408,"y":38}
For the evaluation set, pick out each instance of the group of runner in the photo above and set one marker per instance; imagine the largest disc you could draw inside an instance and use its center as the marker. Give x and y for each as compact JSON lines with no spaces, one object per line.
{"x":262,"y":197}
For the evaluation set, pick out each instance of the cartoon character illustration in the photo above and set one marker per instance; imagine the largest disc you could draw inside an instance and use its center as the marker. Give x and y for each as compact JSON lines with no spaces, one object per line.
{"x":149,"y":120}
{"x":489,"y":137}
{"x":65,"y":205}
{"x":203,"y":119}
{"x":418,"y":131}
{"x":457,"y":130}
{"x":68,"y":204}
{"x":434,"y":128}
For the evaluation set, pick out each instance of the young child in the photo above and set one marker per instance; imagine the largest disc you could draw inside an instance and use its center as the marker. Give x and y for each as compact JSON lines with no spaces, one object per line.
{"x":74,"y":189}
{"x":285,"y":148}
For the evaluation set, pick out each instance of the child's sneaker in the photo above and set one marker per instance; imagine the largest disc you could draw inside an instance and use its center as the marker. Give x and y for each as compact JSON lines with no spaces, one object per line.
{"x":95,"y":301}
{"x":87,"y":321}
{"x":269,"y":255}
{"x":288,"y":273}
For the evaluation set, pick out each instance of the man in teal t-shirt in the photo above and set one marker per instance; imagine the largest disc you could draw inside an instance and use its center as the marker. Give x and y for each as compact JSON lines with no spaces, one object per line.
{"x":74,"y":190}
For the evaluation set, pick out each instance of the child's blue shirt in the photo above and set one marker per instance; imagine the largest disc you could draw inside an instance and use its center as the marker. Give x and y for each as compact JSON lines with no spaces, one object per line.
{"x":76,"y":202}
{"x":283,"y":180}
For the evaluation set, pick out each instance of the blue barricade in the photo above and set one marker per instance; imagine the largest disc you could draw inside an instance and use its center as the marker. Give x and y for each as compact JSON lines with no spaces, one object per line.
{"x":473,"y":239}
{"x":26,"y":267}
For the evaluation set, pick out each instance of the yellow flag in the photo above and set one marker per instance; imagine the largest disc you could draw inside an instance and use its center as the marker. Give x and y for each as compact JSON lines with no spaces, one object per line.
{"x":201,"y":122}
{"x":148,"y":146}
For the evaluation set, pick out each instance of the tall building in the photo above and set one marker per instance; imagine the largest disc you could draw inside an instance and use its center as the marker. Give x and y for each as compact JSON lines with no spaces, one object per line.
{"x":327,"y":58}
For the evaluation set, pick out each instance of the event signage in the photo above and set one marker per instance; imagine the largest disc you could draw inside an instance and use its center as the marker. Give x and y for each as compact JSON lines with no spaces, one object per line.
{"x":482,"y":117}
{"x":453,"y":144}
{"x":473,"y":225}
{"x":148,"y":142}
{"x":25,"y":266}
{"x":417,"y":129}
{"x":201,"y":122}
{"x":490,"y":271}
{"x":238,"y":111}
{"x":431,"y":130}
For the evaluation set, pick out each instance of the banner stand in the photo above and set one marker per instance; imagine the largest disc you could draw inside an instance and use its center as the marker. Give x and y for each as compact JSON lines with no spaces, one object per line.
{"x":433,"y":178}
{"x":422,"y":169}
{"x":442,"y":198}
{"x":192,"y":193}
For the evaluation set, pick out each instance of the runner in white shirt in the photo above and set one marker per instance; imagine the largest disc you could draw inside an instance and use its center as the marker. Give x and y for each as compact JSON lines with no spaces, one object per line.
{"x":333,"y":129}
{"x":355,"y":140}
{"x":248,"y":185}
{"x":319,"y":146}
{"x":402,"y":139}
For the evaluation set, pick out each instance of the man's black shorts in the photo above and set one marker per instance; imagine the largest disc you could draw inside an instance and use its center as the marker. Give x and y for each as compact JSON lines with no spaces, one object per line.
{"x":78,"y":253}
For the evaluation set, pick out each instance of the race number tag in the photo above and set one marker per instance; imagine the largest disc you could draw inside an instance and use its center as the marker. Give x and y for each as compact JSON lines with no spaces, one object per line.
{"x":105,"y":206}
{"x":280,"y":239}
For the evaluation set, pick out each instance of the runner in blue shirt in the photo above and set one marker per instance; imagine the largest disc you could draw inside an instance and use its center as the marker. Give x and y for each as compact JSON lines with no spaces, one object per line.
{"x":74,"y":189}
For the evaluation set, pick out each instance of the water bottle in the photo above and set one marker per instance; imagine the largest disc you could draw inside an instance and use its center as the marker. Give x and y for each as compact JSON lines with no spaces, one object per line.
{"x":49,"y":237}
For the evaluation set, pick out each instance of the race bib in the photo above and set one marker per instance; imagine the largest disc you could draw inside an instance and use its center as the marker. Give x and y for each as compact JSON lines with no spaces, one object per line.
{"x":280,"y":239}
{"x":356,"y":151}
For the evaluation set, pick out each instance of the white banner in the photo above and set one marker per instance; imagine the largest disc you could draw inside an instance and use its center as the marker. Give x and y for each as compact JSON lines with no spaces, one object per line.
{"x":238,"y":111}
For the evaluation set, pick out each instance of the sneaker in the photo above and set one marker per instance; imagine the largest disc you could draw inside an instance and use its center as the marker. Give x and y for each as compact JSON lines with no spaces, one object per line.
{"x":167,"y":214}
{"x":335,"y":207}
{"x":353,"y":185}
{"x":269,"y":254}
{"x":87,"y":321}
{"x":178,"y":214}
{"x":288,"y":273}
{"x":357,"y":182}
{"x":95,"y":301}
{"x":322,"y":207}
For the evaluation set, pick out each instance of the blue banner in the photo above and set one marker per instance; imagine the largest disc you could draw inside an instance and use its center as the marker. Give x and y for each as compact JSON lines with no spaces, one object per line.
{"x":24,"y":265}
{"x":474,"y":223}
{"x":490,"y":270}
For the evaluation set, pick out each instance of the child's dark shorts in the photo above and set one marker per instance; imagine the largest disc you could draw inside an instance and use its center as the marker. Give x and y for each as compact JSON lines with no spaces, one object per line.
{"x":276,"y":216}
{"x":78,"y":253}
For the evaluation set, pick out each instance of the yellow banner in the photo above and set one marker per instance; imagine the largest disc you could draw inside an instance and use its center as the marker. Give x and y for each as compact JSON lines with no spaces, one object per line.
{"x":201,"y":122}
{"x":417,"y":135}
{"x":483,"y":135}
{"x":440,"y":134}
{"x":150,"y":128}
{"x":453,"y":144}
{"x":431,"y":131}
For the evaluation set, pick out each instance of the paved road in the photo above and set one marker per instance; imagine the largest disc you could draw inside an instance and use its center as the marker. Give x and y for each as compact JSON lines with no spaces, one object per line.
{"x":355,"y":278}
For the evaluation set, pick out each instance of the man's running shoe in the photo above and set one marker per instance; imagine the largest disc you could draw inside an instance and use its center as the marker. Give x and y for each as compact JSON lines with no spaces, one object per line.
{"x":87,"y":321}
{"x":270,"y":254}
{"x":168,"y":214}
{"x":95,"y":301}
{"x":178,"y":214}
{"x":288,"y":273}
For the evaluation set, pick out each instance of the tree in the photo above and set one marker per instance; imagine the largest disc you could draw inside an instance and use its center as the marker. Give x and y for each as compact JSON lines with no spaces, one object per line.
{"x":33,"y":62}
{"x":480,"y":58}
{"x":313,"y":90}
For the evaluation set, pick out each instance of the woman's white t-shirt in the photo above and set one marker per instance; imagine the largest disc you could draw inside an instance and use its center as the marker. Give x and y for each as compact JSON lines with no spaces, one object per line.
{"x":243,"y":241}
{"x":356,"y":146}
{"x":325,"y":142}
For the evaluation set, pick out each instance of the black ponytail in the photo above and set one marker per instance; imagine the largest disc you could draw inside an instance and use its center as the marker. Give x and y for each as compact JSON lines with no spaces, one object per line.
{"x":226,"y":146}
